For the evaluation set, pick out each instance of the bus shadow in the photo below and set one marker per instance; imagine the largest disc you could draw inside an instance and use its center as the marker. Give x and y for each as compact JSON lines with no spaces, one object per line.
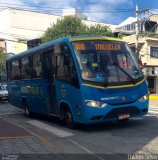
{"x":3,"y":102}
{"x":52,"y":120}
{"x":100,"y":127}
{"x":109,"y":126}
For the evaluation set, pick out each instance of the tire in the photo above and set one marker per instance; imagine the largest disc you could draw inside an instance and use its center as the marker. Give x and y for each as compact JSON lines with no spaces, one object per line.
{"x":123,"y":121}
{"x":68,"y":118}
{"x":26,"y":110}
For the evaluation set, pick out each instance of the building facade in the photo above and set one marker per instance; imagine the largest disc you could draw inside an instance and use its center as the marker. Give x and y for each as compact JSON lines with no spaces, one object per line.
{"x":147,"y":46}
{"x":18,"y":26}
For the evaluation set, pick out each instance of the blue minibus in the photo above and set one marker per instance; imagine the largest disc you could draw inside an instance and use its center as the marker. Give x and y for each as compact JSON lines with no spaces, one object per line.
{"x":80,"y":80}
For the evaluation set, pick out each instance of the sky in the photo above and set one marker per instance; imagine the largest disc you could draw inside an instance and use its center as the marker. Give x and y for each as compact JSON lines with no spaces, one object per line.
{"x":106,"y":11}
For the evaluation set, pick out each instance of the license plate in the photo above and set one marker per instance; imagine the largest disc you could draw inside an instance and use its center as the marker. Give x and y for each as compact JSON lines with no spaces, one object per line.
{"x":4,"y":97}
{"x":123,"y":116}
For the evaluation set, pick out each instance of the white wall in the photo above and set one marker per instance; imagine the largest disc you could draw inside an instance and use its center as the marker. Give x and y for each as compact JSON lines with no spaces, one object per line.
{"x":24,"y":23}
{"x":4,"y":23}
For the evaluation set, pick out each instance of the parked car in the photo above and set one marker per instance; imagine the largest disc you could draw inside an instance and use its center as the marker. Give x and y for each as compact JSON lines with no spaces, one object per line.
{"x":3,"y":93}
{"x":4,"y":85}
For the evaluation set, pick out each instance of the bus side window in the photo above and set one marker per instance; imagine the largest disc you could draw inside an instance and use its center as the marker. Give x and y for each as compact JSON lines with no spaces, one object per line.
{"x":15,"y":70}
{"x":61,"y":74}
{"x":47,"y":65}
{"x":54,"y":65}
{"x":8,"y":71}
{"x":62,"y":64}
{"x":36,"y":72}
{"x":25,"y":68}
{"x":70,"y":65}
{"x":66,"y":66}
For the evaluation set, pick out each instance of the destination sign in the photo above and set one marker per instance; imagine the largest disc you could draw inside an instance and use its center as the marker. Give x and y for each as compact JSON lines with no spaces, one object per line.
{"x":80,"y":46}
{"x":97,"y":46}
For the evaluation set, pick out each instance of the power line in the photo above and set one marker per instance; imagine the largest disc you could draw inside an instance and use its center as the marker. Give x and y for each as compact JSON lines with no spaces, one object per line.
{"x":58,"y":10}
{"x":29,"y":29}
{"x":17,"y":36}
{"x":83,"y":10}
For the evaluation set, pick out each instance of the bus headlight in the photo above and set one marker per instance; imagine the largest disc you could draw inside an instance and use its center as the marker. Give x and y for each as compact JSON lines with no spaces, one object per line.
{"x":144,"y":98}
{"x":96,"y":104}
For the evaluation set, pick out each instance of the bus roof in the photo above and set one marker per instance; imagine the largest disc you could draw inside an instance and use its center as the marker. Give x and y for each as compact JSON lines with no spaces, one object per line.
{"x":38,"y":48}
{"x":64,"y":39}
{"x":83,"y":38}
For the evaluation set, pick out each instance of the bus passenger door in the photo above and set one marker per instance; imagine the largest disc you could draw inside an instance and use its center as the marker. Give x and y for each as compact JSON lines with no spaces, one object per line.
{"x":66,"y":80}
{"x":49,"y":84}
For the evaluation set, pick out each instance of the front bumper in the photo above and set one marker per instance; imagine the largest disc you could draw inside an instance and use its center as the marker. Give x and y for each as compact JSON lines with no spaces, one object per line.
{"x":3,"y":98}
{"x":111,"y":112}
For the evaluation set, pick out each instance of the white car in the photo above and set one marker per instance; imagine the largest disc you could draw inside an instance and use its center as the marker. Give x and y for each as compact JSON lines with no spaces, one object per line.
{"x":3,"y":93}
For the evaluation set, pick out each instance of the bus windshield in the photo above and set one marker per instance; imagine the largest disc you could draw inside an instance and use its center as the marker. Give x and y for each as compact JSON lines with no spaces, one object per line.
{"x":107,"y":62}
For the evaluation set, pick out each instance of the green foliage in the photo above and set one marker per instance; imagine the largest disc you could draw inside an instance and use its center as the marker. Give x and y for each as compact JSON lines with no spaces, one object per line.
{"x":99,"y":30}
{"x":73,"y":26}
{"x":2,"y":60}
{"x":69,"y":26}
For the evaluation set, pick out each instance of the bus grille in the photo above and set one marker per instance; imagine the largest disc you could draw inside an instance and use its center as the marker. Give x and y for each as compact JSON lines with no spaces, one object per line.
{"x":132,"y":110}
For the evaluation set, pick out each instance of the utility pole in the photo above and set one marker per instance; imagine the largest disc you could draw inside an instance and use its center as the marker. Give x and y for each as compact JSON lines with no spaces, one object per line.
{"x":138,"y":12}
{"x":136,"y":28}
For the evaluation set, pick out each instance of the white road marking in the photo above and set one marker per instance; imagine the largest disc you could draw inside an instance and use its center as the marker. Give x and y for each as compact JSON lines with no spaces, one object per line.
{"x":153,"y":110}
{"x":56,"y":131}
{"x":1,"y":114}
{"x":85,"y":149}
{"x":136,"y":118}
{"x":149,"y":115}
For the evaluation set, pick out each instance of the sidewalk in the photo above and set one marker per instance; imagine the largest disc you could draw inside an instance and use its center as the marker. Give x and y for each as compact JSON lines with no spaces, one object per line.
{"x":153,"y":100}
{"x":9,"y":130}
{"x":16,"y":140}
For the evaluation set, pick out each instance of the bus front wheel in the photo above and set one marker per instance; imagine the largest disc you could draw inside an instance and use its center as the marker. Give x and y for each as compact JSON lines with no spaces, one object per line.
{"x":69,"y":119}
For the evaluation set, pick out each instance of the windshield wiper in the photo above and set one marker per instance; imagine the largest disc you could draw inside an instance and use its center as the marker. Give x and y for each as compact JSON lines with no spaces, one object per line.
{"x":132,"y":79}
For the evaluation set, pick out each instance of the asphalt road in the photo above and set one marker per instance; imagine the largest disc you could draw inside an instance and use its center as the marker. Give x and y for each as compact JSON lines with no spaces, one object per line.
{"x":138,"y":136}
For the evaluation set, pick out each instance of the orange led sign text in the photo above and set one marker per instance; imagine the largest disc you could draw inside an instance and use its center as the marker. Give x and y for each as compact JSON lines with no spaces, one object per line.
{"x":109,"y":47}
{"x":80,"y":46}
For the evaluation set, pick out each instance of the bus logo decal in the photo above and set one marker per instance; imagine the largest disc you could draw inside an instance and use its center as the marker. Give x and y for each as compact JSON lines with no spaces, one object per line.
{"x":31,"y":90}
{"x":109,"y":98}
{"x":63,"y":91}
{"x":124,"y":98}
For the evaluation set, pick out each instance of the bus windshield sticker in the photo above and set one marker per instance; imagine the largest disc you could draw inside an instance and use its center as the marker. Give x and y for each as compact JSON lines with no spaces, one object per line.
{"x":100,"y":78}
{"x":94,"y":65}
{"x":84,"y":60}
{"x":85,"y":74}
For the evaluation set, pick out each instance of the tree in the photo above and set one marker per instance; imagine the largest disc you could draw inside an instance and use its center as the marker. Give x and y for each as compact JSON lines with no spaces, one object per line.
{"x":73,"y":26}
{"x":99,"y":30}
{"x":68,"y":26}
{"x":3,"y":57}
{"x":2,"y":60}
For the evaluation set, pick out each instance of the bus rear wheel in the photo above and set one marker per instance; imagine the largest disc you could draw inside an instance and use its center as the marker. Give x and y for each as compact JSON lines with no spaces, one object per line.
{"x":68,"y":118}
{"x":26,"y":109}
